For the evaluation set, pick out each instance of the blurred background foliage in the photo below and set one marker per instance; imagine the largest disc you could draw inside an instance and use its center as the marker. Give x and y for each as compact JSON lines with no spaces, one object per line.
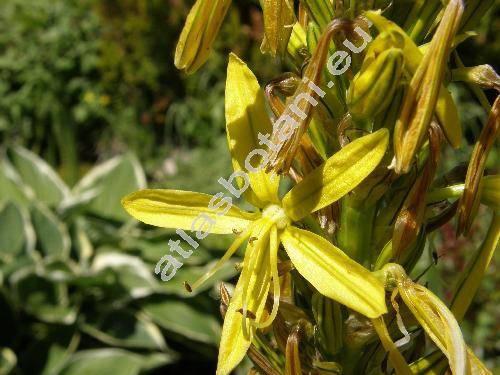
{"x":92,"y":108}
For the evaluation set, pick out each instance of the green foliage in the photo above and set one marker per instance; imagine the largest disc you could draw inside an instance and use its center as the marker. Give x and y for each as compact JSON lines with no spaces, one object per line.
{"x":78,"y":294}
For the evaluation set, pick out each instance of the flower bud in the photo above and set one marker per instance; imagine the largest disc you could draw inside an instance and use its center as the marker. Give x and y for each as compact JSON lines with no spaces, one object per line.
{"x":198,"y":34}
{"x":279,"y":18}
{"x":469,"y":201}
{"x":373,"y":88}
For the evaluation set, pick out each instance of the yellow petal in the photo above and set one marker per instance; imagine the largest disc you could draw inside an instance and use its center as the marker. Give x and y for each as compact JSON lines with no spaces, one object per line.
{"x":337,"y":176}
{"x":198,"y":34}
{"x":178,"y":209}
{"x":437,"y":321}
{"x":245,"y":118}
{"x":250,"y":294}
{"x":333,"y":273}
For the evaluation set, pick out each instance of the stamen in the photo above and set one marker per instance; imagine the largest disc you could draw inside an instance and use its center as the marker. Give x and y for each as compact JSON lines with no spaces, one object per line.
{"x":229,"y":253}
{"x":399,"y":320}
{"x":248,"y":269}
{"x":236,"y":231}
{"x":273,"y":259}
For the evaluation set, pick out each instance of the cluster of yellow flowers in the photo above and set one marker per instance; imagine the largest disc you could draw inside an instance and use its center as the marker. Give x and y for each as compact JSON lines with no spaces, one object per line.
{"x":347,"y":234}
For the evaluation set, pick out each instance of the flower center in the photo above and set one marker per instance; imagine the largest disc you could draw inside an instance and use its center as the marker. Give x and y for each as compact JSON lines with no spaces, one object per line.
{"x":277,"y":215}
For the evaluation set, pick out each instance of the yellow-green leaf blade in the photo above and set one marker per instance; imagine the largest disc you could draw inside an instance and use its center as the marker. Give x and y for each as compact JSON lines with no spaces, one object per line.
{"x":179,"y":209}
{"x":337,"y":176}
{"x":245,"y":118}
{"x":333,"y":273}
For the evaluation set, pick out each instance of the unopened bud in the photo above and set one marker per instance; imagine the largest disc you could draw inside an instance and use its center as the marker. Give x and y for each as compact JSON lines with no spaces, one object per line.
{"x":279,"y":18}
{"x":198,"y":34}
{"x":373,"y":88}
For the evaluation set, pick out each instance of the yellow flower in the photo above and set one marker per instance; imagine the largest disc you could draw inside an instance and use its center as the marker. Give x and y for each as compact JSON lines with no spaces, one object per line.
{"x":325,"y":266}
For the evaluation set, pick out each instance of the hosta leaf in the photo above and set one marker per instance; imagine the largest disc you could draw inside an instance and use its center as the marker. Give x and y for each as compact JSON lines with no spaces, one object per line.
{"x":42,"y":298}
{"x":333,"y":273}
{"x":131,"y":273}
{"x":105,"y":185}
{"x":183,"y":318}
{"x":246,"y":117}
{"x":337,"y":176}
{"x":11,"y":185}
{"x":178,"y":209}
{"x":52,"y":235}
{"x":39,"y":176}
{"x":12,"y":232}
{"x":110,"y":361}
{"x":126,"y":329}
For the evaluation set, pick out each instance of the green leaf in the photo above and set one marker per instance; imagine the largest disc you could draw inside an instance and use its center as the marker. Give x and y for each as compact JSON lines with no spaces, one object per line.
{"x":106,"y":184}
{"x":16,"y":233}
{"x":126,"y":329}
{"x":105,"y":361}
{"x":42,"y":298}
{"x":52,"y":235}
{"x":131,"y":272}
{"x":39,"y":176}
{"x":183,"y":318}
{"x":11,"y":185}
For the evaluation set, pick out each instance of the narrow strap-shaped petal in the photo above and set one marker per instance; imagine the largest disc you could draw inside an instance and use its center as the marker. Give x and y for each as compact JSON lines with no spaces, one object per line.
{"x":333,"y":273}
{"x":253,"y":284}
{"x":182,"y":210}
{"x":273,"y":257}
{"x":245,"y":119}
{"x":437,"y":321}
{"x":337,"y":176}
